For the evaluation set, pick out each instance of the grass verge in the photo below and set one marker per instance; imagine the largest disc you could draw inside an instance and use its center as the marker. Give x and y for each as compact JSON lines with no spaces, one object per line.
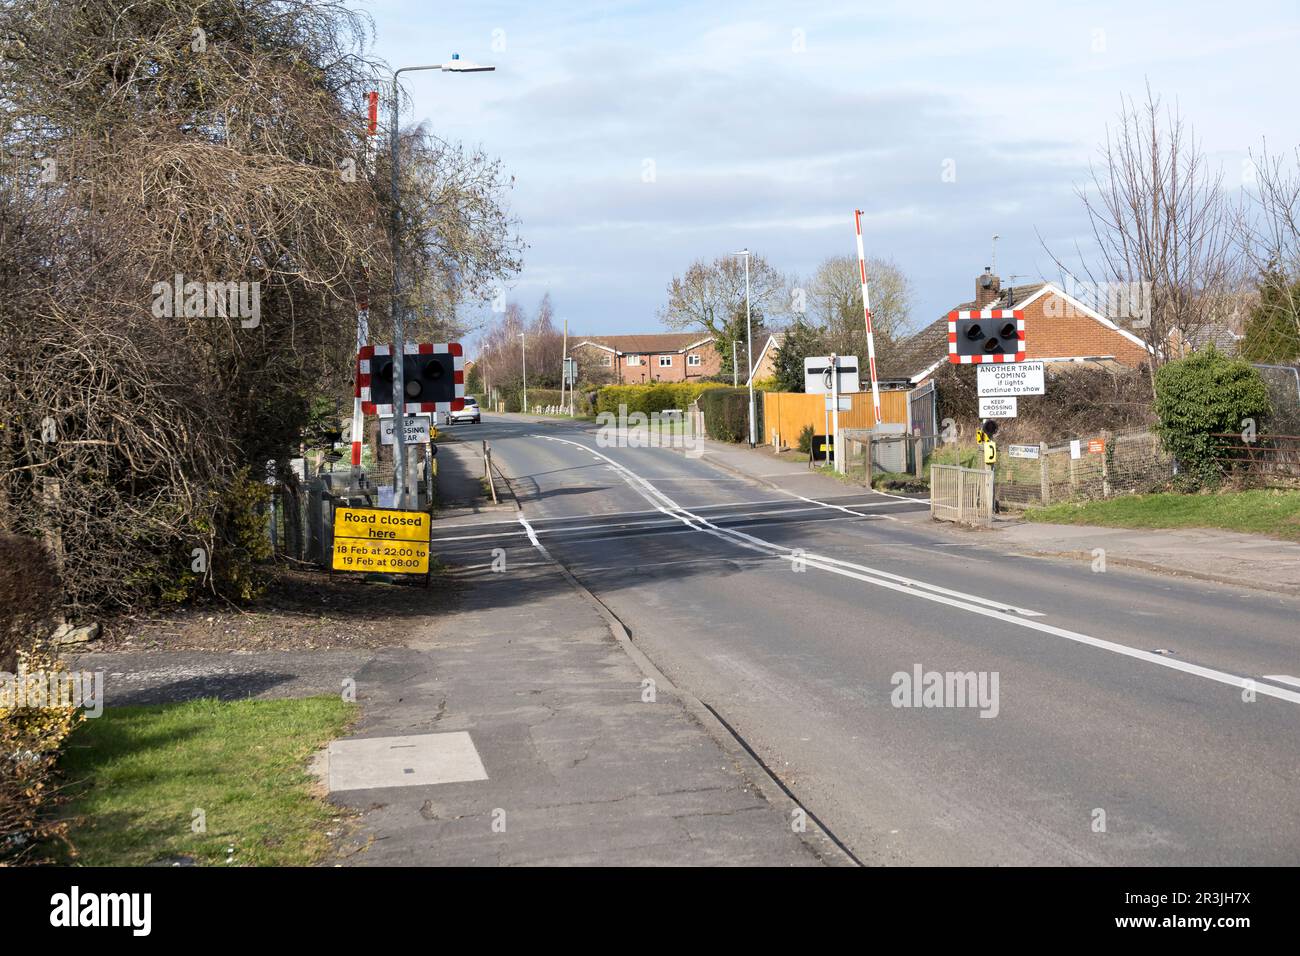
{"x":139,"y":774}
{"x":1260,"y":511}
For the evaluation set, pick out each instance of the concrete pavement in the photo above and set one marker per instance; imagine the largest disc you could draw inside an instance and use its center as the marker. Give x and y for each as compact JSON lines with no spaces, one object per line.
{"x":1244,"y":560}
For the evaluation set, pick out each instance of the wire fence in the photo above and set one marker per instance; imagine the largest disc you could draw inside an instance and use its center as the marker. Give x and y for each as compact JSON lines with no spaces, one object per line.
{"x":1096,"y":466}
{"x":1268,"y":457}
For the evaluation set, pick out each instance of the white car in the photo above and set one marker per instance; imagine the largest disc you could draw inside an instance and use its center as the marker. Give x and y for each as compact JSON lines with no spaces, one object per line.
{"x":470,"y":413}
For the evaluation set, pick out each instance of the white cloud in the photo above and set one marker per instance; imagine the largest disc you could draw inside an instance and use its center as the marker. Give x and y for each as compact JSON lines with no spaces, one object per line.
{"x":757,"y":143}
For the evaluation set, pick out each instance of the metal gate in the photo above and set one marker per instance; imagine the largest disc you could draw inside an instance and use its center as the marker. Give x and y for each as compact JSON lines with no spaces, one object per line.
{"x":922,"y":417}
{"x":963,"y":495}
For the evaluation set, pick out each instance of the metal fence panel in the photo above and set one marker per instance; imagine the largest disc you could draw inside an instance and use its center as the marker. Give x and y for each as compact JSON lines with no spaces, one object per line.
{"x":963,"y":495}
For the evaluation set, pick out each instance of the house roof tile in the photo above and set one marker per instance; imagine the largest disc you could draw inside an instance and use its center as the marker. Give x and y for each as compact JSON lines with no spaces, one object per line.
{"x":648,"y":343}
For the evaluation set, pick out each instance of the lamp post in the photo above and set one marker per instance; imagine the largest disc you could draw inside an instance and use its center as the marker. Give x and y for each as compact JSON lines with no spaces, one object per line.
{"x":523,"y":358}
{"x":749,"y":348}
{"x":455,"y":65}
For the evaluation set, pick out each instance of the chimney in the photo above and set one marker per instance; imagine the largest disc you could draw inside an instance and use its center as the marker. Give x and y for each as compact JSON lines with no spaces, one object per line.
{"x":987,"y":289}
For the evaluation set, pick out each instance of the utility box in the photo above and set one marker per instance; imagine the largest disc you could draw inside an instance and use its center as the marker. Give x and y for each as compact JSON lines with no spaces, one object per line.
{"x":889,"y":447}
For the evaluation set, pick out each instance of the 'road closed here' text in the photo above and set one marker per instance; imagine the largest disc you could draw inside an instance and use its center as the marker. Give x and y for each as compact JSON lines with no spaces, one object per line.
{"x":378,"y":525}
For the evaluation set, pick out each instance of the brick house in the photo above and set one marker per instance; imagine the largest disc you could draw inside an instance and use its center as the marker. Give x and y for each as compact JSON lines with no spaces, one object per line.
{"x":765,"y":360}
{"x":645,"y":359}
{"x":1058,"y":328}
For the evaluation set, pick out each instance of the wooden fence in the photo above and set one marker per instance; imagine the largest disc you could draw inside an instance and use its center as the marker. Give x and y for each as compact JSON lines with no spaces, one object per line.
{"x":785,"y":414}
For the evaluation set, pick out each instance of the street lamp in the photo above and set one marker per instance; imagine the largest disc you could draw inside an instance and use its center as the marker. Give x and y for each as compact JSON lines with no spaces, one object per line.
{"x":455,"y":65}
{"x":523,"y":355}
{"x":749,"y":348}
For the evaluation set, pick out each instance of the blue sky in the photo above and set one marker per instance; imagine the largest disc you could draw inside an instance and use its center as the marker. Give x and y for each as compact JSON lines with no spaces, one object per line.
{"x":766,"y":124}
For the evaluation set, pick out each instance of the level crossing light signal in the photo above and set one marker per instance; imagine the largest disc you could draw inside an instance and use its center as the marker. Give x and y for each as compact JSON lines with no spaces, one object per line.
{"x":988,"y":335}
{"x":433,"y":378}
{"x":990,"y":338}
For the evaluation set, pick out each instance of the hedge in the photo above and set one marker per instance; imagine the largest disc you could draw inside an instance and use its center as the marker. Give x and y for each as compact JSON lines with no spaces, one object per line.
{"x":651,"y":398}
{"x":726,"y":414}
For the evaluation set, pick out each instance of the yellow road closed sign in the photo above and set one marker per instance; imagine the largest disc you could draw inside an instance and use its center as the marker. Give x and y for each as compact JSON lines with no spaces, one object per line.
{"x":375,"y":539}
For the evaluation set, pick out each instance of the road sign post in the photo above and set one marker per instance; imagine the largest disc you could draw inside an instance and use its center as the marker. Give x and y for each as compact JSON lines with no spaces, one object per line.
{"x":837,"y":464}
{"x":426,"y":377}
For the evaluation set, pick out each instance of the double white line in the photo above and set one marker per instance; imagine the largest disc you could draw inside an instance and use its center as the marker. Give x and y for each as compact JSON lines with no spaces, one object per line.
{"x":973,"y":604}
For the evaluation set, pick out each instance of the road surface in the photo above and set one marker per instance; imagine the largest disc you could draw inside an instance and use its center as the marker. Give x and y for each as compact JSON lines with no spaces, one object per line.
{"x":1123,"y":730}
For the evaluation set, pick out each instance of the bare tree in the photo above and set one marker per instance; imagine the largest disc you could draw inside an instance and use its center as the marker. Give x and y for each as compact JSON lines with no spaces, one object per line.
{"x":707,"y":295}
{"x":835,"y":303}
{"x":1159,"y":217}
{"x":1271,"y":233}
{"x":501,"y":355}
{"x":221,"y":141}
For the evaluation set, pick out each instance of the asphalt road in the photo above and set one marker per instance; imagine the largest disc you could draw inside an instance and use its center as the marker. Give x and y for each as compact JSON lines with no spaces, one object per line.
{"x":1119,"y":733}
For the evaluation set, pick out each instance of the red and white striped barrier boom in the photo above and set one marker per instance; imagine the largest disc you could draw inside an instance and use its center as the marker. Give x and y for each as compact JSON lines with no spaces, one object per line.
{"x":866,"y":311}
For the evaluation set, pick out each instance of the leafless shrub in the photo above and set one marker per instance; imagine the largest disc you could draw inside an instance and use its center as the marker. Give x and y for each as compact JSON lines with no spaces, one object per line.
{"x":1159,"y":216}
{"x":1081,"y":401}
{"x":221,"y":142}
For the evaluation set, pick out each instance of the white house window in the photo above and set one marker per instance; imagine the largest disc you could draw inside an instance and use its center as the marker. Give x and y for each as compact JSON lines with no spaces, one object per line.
{"x":693,"y":359}
{"x":665,"y":361}
{"x":634,"y":360}
{"x":606,"y":359}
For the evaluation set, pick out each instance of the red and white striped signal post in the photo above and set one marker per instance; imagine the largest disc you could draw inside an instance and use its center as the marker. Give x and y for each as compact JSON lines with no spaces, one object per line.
{"x":358,"y":418}
{"x":866,"y":311}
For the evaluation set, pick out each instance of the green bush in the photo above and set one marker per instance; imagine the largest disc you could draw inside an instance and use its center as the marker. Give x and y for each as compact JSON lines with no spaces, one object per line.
{"x":31,"y":740}
{"x":1199,"y":396}
{"x":649,"y":399}
{"x":243,"y":546}
{"x":726,"y":414}
{"x":805,"y":440}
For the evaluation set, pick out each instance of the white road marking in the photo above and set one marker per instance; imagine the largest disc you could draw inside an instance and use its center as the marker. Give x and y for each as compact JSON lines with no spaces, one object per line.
{"x":532,"y":536}
{"x":477,"y":537}
{"x":1283,"y":679}
{"x":631,"y":514}
{"x":929,"y":592}
{"x":676,"y":511}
